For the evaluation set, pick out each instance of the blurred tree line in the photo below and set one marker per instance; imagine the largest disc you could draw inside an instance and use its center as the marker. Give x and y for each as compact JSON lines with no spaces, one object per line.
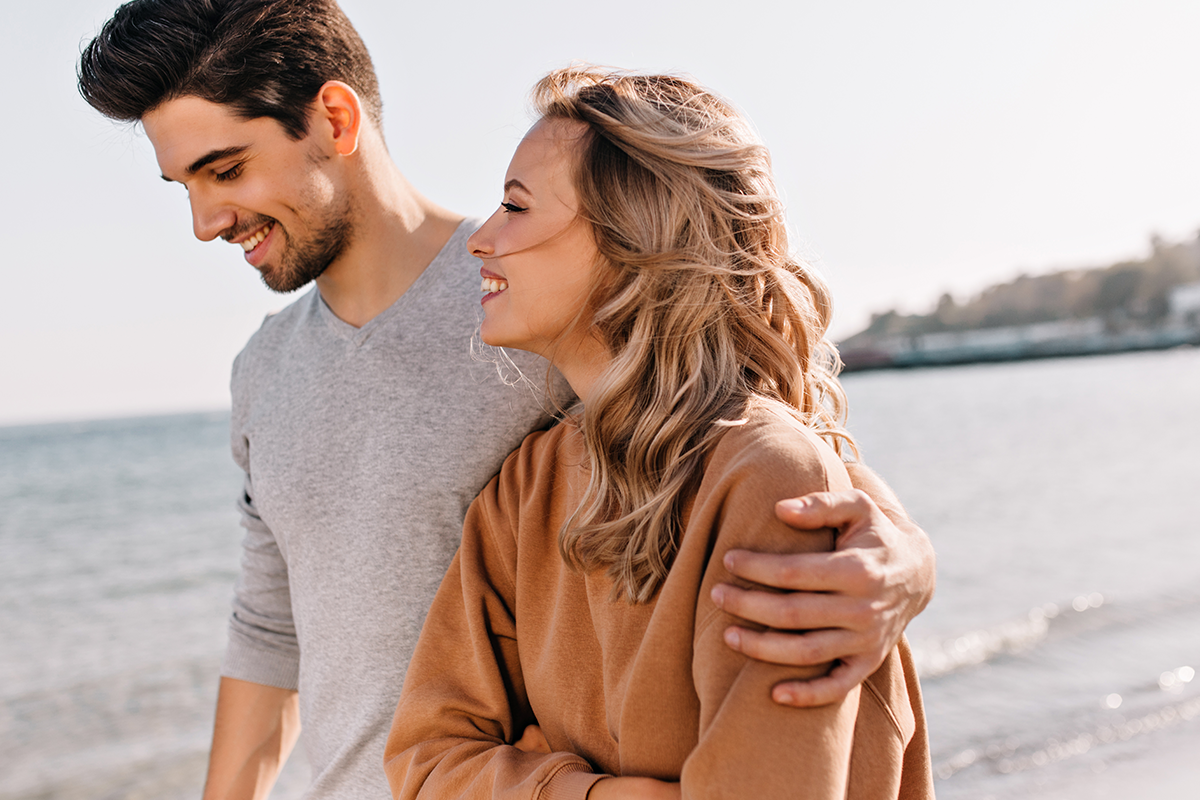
{"x":1126,"y":293}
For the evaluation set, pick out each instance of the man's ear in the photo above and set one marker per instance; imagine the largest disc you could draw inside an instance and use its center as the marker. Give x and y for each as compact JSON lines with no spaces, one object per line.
{"x":339,"y":107}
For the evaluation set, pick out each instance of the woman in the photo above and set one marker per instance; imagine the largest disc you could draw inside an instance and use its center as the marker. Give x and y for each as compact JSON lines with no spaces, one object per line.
{"x":641,"y":248}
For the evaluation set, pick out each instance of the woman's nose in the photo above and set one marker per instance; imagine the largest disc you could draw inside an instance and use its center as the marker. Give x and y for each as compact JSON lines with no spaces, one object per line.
{"x":481,"y":243}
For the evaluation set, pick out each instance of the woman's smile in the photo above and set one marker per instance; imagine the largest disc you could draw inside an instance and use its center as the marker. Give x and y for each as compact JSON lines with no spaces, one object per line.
{"x":492,"y":284}
{"x":537,"y":251}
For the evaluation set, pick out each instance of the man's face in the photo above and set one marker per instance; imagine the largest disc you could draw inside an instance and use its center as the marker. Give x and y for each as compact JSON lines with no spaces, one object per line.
{"x":251,"y":184}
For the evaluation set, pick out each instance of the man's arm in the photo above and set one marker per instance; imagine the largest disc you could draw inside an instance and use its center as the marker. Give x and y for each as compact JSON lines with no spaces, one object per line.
{"x":255,"y":730}
{"x":851,"y":605}
{"x":258,"y":717}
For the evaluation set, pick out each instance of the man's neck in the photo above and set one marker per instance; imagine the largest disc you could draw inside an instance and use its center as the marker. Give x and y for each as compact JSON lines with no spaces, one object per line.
{"x":397,"y":233}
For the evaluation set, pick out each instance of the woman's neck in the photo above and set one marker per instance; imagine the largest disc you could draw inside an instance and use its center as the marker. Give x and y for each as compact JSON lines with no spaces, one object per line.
{"x":582,"y":364}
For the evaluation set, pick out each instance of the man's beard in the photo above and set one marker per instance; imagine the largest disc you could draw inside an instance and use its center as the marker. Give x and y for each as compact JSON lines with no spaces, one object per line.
{"x":304,"y":262}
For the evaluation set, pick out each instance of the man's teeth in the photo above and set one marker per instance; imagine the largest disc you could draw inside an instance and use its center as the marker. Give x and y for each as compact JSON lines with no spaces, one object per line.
{"x":255,"y":240}
{"x":492,"y":285}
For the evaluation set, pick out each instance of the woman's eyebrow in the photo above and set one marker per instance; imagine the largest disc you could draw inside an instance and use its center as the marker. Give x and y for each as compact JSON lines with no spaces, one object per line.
{"x":513,"y":183}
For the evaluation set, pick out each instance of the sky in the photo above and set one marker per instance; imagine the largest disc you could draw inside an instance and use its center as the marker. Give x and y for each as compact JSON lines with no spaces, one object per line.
{"x":922,"y":147}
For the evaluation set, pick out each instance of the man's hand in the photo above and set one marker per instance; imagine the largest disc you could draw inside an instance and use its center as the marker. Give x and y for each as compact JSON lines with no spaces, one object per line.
{"x":851,"y":605}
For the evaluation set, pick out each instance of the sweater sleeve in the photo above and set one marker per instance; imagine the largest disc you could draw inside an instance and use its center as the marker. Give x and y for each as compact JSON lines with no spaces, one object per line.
{"x":262,"y":634}
{"x":749,"y":746}
{"x":464,"y":697}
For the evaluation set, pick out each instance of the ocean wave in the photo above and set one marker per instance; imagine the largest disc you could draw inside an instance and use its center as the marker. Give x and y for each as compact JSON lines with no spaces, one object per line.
{"x":1011,"y":755}
{"x":936,"y":657}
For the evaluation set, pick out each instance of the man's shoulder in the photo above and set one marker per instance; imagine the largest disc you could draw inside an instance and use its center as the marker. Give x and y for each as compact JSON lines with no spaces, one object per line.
{"x":275,"y":329}
{"x":454,"y":267}
{"x":294,"y":312}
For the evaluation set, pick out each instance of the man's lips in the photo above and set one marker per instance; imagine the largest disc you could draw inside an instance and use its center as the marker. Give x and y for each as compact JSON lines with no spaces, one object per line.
{"x":255,"y":239}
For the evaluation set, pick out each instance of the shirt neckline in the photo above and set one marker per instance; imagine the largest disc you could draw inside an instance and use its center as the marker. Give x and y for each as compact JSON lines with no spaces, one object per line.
{"x":444,"y":259}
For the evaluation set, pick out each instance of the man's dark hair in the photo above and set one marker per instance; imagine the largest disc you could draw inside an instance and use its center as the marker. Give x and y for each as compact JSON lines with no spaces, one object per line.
{"x":262,"y":58}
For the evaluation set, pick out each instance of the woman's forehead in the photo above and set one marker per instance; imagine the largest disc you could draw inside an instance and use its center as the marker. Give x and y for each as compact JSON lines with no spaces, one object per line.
{"x":545,"y":157}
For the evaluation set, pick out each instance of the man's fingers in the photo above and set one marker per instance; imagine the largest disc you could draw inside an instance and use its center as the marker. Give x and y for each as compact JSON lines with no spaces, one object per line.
{"x":808,"y":572}
{"x":826,"y":509}
{"x":822,"y":691}
{"x":793,"y":649}
{"x":793,"y":611}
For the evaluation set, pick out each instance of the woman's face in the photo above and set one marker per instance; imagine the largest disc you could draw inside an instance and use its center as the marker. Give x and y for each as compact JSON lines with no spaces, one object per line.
{"x":539,"y":258}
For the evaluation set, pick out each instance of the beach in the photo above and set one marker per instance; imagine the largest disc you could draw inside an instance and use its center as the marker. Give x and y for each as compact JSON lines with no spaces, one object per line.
{"x":1057,"y":493}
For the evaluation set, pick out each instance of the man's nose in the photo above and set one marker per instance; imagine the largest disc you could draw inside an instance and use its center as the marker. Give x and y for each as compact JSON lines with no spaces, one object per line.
{"x":210,"y":216}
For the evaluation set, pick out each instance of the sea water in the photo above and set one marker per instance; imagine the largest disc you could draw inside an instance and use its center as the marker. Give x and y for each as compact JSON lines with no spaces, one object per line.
{"x":1060,"y":496}
{"x":1060,"y":648}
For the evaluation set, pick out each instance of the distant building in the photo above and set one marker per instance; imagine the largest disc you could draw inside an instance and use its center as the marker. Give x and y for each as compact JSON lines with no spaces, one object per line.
{"x":1015,"y":338}
{"x":1184,"y":304}
{"x":1076,"y":337}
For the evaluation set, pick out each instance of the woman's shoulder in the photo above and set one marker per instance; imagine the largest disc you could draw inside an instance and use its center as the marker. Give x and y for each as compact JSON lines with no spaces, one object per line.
{"x":528,"y":487}
{"x":771,"y":443}
{"x":767,"y":456}
{"x":544,"y":458}
{"x":542,"y":448}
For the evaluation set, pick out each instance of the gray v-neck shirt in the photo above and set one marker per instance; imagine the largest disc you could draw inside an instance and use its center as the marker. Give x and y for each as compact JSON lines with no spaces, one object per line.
{"x":362,"y":449}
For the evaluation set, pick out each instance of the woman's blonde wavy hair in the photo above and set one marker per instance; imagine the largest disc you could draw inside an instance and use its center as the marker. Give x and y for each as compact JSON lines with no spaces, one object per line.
{"x":702,"y":308}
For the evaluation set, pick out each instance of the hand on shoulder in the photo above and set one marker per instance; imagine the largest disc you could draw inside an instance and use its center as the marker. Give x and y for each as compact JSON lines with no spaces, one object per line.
{"x":851,"y":605}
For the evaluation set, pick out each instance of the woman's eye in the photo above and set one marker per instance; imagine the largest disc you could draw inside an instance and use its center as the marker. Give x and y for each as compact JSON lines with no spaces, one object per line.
{"x":509,"y":208}
{"x":230,"y":173}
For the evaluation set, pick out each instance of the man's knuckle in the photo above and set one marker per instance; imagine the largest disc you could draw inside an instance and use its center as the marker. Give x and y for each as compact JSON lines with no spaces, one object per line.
{"x":817,"y":501}
{"x":872,"y":574}
{"x":861,"y":616}
{"x":816,"y":652}
{"x":790,"y":572}
{"x":792,"y":617}
{"x":864,"y":574}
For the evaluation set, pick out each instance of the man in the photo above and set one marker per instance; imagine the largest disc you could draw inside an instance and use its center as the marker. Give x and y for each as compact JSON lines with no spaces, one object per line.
{"x":362,"y":420}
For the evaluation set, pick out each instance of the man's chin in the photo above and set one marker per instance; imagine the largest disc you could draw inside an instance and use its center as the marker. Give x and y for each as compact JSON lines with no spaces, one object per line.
{"x":281,"y":287}
{"x":285,"y":281}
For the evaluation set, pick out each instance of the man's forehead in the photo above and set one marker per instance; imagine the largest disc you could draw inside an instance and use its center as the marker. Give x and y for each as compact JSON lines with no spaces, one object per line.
{"x":189,"y":132}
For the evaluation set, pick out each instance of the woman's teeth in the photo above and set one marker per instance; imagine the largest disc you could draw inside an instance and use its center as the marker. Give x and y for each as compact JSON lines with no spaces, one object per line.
{"x":254,"y":241}
{"x":492,"y":285}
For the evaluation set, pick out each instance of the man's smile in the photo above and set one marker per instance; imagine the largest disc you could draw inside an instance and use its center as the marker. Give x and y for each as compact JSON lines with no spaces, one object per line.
{"x":255,"y":239}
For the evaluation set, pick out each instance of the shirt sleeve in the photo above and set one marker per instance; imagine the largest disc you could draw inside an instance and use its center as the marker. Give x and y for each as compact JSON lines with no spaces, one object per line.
{"x":464,"y":697}
{"x":262,"y":635}
{"x":750,"y":746}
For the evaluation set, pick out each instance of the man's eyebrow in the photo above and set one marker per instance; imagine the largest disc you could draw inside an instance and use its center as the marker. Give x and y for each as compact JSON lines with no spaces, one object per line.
{"x":214,"y":155}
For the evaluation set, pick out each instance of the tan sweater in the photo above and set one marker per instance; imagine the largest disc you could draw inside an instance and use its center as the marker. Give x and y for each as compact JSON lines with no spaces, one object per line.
{"x":515,"y":637}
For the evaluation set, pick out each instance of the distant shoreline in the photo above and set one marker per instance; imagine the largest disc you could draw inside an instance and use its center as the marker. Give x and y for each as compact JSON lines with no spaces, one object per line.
{"x":1015,"y":343}
{"x":1147,"y":304}
{"x":104,"y":422}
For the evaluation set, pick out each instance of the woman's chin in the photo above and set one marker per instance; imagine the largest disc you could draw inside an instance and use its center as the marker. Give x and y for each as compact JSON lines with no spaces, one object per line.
{"x":494,"y":336}
{"x":489,"y":335}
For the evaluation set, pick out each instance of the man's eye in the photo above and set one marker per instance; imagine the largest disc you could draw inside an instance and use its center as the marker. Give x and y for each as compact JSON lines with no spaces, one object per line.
{"x":229,"y":174}
{"x":509,"y":208}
